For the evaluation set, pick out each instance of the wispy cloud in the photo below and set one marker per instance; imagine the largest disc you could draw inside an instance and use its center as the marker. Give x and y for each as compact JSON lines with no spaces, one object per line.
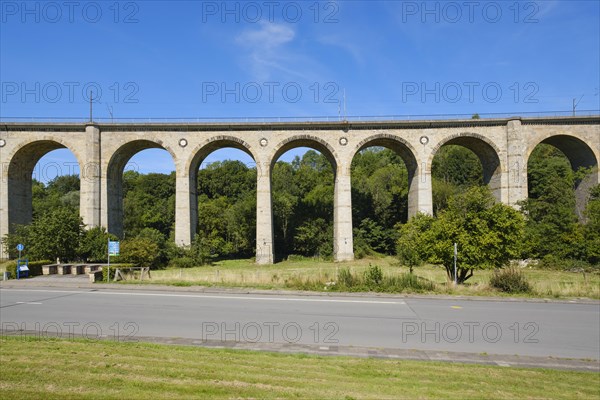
{"x":266,"y":48}
{"x":345,"y":44}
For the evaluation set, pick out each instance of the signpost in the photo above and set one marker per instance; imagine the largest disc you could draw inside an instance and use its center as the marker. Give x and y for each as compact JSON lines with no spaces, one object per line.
{"x":113,"y":250}
{"x":20,"y":248}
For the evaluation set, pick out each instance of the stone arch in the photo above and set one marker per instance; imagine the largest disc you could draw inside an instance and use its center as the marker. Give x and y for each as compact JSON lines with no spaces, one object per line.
{"x":488,"y":154}
{"x":580,"y":155}
{"x":310,"y":141}
{"x":20,"y":170}
{"x":408,"y":154}
{"x":199,"y":153}
{"x":114,"y":178}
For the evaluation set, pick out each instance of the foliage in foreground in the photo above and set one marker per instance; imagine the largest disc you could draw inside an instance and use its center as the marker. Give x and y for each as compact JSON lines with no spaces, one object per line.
{"x":488,"y":235}
{"x":510,"y":280}
{"x":372,"y":279}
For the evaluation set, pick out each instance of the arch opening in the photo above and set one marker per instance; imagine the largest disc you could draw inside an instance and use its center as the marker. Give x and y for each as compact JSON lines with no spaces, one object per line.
{"x":561,"y":170}
{"x":462,"y":162}
{"x":223,"y":180}
{"x":303,"y":199}
{"x":141,"y":190}
{"x":41,"y":164}
{"x":383,"y":171}
{"x":42,"y":178}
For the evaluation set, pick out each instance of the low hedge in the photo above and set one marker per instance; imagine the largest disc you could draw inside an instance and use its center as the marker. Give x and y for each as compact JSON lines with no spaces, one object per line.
{"x":35,"y":268}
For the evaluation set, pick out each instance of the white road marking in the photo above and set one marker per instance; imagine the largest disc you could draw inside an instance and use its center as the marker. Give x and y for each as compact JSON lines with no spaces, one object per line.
{"x":223,"y":297}
{"x":27,"y":302}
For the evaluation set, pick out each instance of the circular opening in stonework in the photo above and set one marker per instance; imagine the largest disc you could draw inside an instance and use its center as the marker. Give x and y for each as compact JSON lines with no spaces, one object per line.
{"x":183,"y":142}
{"x":2,"y":142}
{"x":264,"y":142}
{"x":424,"y":140}
{"x":343,"y":141}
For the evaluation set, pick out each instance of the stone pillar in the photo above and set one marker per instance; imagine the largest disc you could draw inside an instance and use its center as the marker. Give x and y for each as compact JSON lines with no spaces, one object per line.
{"x":185,"y":208}
{"x":3,"y":196}
{"x":264,"y":215}
{"x":420,"y":192}
{"x":343,"y":248}
{"x":90,"y":194}
{"x":516,"y":174}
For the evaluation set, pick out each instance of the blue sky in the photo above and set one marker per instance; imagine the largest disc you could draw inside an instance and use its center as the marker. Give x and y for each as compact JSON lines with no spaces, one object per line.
{"x":199,"y":59}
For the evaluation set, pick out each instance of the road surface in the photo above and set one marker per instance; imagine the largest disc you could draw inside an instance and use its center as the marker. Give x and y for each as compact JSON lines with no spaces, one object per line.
{"x":469,"y":326}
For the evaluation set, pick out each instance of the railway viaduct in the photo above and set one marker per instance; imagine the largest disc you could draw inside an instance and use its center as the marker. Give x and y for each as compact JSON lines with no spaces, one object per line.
{"x":102,"y":151}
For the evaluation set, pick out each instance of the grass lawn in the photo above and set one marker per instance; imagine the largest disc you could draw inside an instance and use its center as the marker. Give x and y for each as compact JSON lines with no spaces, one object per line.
{"x":63,"y":369}
{"x":291,"y":275}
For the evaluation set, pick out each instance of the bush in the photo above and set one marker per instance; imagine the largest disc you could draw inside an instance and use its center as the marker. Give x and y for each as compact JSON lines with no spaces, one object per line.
{"x":35,"y":268}
{"x":346,"y":278}
{"x":374,"y":279}
{"x":552,"y":262}
{"x":510,"y":280}
{"x":141,"y":251}
{"x":373,"y":276}
{"x":408,"y":282}
{"x":182,"y":262}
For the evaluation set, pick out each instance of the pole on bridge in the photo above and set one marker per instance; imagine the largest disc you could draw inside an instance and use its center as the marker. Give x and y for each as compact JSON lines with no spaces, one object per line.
{"x":91,"y":113}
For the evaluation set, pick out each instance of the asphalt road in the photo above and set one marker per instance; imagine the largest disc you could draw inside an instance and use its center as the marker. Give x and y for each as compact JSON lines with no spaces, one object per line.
{"x":470,"y":326}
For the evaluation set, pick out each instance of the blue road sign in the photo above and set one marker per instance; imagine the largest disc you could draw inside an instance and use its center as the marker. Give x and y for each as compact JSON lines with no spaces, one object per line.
{"x":20,"y":247}
{"x":113,"y":248}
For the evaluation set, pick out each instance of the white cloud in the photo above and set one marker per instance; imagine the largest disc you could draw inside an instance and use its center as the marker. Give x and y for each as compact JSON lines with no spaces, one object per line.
{"x":266,"y":48}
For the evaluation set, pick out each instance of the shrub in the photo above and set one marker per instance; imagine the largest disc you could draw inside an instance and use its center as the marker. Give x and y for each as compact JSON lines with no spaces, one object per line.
{"x":35,"y":268}
{"x":182,"y":262}
{"x":408,"y":282}
{"x":373,"y":276}
{"x":345,"y":278}
{"x":552,"y":262}
{"x":374,"y":279}
{"x":510,"y":280}
{"x":141,"y":251}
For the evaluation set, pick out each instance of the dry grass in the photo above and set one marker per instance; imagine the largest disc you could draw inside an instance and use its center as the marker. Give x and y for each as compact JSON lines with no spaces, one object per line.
{"x":288,"y":275}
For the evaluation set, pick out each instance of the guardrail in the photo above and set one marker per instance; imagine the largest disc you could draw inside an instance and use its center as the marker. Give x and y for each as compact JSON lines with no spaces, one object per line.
{"x":267,"y":119}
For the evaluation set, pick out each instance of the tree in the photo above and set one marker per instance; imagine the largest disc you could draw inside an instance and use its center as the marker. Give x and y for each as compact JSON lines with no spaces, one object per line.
{"x":488,"y":234}
{"x":93,"y":246}
{"x":140,"y":251}
{"x":55,"y":234}
{"x":550,"y":209}
{"x":314,"y":237}
{"x":454,"y":169}
{"x":411,"y":248}
{"x":591,"y":230}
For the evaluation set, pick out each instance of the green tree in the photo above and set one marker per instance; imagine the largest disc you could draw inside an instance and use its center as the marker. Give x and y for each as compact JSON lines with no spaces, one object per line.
{"x":591,"y":230}
{"x":55,"y":234}
{"x":488,"y":234}
{"x":141,"y":251}
{"x":314,"y":238}
{"x":411,"y":248}
{"x":93,"y":246}
{"x":552,"y":225}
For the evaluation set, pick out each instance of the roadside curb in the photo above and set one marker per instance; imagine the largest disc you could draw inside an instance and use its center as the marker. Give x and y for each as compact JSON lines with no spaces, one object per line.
{"x":32,"y":283}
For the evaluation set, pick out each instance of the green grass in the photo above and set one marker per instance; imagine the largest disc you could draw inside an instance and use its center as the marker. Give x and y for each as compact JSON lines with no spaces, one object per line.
{"x":310,"y":274}
{"x":64,"y":369}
